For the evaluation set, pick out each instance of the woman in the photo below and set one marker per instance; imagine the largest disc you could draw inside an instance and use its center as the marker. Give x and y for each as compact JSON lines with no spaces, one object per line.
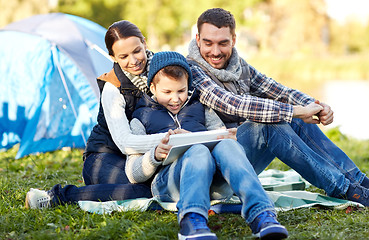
{"x":111,"y":139}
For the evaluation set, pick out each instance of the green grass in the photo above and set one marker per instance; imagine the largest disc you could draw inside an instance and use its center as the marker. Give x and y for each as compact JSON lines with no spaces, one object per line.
{"x":70,"y":222}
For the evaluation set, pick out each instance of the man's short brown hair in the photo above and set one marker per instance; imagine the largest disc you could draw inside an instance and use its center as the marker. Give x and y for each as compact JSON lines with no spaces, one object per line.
{"x":217,"y":17}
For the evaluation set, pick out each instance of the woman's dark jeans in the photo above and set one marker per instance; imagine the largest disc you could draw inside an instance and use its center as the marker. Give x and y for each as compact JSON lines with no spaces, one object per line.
{"x":105,"y":179}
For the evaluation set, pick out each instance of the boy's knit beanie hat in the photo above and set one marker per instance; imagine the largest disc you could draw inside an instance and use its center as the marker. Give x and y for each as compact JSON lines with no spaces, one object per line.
{"x":168,"y":58}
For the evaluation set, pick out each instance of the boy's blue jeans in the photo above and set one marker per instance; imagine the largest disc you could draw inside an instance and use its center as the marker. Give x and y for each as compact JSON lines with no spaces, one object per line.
{"x":304,"y":148}
{"x":189,"y":180}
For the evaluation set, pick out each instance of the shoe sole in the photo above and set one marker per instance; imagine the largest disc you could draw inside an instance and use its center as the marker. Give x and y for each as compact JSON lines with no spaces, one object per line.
{"x":273,"y":232}
{"x":205,"y":236}
{"x":274,"y":236}
{"x":27,"y":205}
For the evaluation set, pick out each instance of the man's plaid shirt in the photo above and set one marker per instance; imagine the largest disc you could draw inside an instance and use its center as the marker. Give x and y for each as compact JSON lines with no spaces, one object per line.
{"x":268,"y":101}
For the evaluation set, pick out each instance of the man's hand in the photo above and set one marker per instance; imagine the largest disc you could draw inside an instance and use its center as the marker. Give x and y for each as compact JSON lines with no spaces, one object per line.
{"x":326,"y":115}
{"x":163,"y":148}
{"x":309,"y":113}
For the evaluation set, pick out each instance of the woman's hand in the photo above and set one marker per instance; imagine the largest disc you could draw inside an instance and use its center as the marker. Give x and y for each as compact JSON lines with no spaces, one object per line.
{"x":162,"y":150}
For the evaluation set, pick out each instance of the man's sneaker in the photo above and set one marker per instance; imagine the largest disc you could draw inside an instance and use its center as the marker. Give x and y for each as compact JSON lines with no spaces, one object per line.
{"x":38,"y":199}
{"x":266,"y":226}
{"x":193,"y":227}
{"x":358,"y":193}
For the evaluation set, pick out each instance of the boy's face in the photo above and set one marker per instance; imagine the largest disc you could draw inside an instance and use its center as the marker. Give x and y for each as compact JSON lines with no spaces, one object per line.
{"x":130,"y":54}
{"x":215,"y":44}
{"x":171,"y":93}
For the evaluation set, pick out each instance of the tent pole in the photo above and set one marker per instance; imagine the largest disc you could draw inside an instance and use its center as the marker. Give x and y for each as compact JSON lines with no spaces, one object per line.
{"x":98,"y":49}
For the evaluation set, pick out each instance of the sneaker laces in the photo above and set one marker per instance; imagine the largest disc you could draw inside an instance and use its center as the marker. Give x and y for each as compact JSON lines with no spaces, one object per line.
{"x":198,"y":221}
{"x":265,"y":218}
{"x":43,"y":202}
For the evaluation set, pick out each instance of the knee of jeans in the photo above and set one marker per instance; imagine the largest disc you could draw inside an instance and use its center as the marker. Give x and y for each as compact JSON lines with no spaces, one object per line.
{"x":198,"y":149}
{"x":85,"y":174}
{"x":228,"y":144}
{"x":86,"y":178}
{"x":199,"y":156}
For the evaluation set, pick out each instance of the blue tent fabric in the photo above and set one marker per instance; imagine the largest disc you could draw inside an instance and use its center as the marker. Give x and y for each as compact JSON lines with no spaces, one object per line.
{"x":48,"y":94}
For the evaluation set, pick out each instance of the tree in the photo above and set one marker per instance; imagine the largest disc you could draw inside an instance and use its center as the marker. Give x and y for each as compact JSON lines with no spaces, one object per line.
{"x":163,"y":22}
{"x":103,"y":12}
{"x":15,"y":10}
{"x":289,"y":27}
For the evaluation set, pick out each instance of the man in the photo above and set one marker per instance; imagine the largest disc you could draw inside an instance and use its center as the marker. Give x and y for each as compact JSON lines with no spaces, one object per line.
{"x":272,"y":120}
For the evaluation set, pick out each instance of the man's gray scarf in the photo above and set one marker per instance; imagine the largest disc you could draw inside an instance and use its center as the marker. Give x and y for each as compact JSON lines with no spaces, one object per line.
{"x":231,"y":73}
{"x":233,"y":78}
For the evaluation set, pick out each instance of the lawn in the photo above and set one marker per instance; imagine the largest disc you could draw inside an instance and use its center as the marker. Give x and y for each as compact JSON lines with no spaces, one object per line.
{"x":70,"y":222}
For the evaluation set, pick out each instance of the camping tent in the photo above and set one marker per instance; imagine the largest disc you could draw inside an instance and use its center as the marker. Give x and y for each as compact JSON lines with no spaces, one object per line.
{"x":48,"y":92}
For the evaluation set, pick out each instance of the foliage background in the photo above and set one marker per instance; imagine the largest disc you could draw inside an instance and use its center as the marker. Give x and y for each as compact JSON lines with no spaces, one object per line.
{"x":283,"y":27}
{"x":295,"y":42}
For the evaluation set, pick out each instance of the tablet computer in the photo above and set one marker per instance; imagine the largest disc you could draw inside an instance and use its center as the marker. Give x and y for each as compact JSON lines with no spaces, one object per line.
{"x":181,"y":142}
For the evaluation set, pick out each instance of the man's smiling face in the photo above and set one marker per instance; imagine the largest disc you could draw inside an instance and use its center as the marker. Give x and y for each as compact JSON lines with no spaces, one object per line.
{"x":215,"y":44}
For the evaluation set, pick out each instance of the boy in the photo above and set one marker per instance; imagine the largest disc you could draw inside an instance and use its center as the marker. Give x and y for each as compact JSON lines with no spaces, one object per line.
{"x":193,"y":176}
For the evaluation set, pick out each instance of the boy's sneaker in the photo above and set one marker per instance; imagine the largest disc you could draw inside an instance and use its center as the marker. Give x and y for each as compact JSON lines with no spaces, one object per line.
{"x":193,"y":227}
{"x":38,"y":199}
{"x":266,"y":226}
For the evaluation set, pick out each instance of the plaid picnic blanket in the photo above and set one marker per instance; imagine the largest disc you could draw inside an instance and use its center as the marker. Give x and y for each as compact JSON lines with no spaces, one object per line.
{"x":285,"y":188}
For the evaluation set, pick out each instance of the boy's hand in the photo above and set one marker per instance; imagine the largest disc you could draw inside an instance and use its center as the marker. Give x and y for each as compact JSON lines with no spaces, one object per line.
{"x":232,"y":134}
{"x":179,"y":131}
{"x":163,"y":148}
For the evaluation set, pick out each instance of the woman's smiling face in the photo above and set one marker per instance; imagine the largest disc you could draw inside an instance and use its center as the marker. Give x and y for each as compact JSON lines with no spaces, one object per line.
{"x":130,"y":54}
